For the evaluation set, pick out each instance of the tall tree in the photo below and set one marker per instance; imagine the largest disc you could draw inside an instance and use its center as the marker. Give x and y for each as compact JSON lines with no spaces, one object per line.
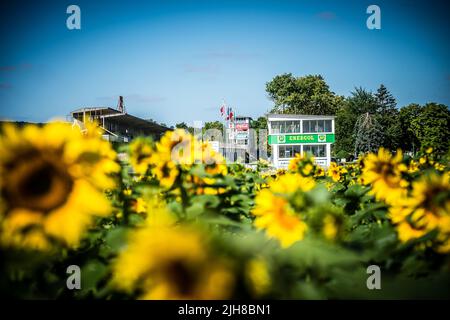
{"x":361,"y":101}
{"x":368,"y":134}
{"x":387,"y":115}
{"x":432,"y":127}
{"x":386,"y":103}
{"x":302,"y":95}
{"x":408,"y":140}
{"x":280,"y":90}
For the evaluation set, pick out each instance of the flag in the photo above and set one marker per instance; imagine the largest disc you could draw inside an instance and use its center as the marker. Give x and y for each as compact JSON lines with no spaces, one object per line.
{"x":228,"y":113}
{"x":231,"y":114}
{"x":222,"y":110}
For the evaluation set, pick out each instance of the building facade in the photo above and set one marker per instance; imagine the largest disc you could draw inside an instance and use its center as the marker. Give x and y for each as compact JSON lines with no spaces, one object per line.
{"x":242,"y":130}
{"x":239,"y":140}
{"x":291,"y":134}
{"x":117,"y":125}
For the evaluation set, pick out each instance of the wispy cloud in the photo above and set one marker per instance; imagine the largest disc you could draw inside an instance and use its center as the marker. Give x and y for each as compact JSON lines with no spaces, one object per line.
{"x":5,"y":86}
{"x":203,"y":69}
{"x":15,"y":68}
{"x":326,"y":15}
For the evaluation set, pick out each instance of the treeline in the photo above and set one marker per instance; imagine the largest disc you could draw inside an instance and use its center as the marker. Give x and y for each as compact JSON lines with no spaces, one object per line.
{"x":365,"y":120}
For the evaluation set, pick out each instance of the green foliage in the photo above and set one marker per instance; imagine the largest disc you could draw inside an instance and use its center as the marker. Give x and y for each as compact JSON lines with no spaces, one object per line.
{"x":408,"y":140}
{"x":183,"y":125}
{"x":361,"y":101}
{"x":432,"y":127}
{"x":213,"y":125}
{"x":388,"y":118}
{"x":302,"y":95}
{"x":369,"y":134}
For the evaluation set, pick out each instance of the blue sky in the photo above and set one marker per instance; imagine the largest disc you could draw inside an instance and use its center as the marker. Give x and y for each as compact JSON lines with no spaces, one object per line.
{"x":175,"y":61}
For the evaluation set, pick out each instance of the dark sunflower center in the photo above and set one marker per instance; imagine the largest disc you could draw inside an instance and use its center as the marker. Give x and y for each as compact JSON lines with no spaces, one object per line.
{"x":165,"y":171}
{"x":386,"y":170}
{"x":39,"y":183}
{"x":141,"y":157}
{"x":435,"y":197}
{"x":183,"y":277}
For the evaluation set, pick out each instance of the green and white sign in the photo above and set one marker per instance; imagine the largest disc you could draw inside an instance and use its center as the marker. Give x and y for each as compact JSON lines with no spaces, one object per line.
{"x":301,"y":138}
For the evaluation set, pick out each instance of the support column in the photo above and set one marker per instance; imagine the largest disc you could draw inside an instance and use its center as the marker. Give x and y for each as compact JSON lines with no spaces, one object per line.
{"x":275,"y":155}
{"x":328,"y":154}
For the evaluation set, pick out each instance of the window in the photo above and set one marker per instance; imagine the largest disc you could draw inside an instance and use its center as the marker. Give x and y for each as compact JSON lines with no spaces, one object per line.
{"x":306,"y":128}
{"x":288,"y":151}
{"x":285,"y":126}
{"x":314,"y":126}
{"x":242,"y":141}
{"x":281,"y":151}
{"x":317,"y":150}
{"x":327,"y":125}
{"x":275,"y":127}
{"x":320,"y":126}
{"x":289,"y":127}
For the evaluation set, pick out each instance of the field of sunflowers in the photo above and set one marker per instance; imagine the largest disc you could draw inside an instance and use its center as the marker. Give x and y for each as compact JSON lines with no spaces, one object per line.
{"x":169,"y":219}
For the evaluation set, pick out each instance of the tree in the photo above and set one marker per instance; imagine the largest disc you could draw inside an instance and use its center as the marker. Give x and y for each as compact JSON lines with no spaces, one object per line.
{"x":432,"y":127}
{"x":387,"y":115}
{"x":302,"y":95}
{"x":260,"y":123}
{"x":183,"y":125}
{"x":408,"y":140}
{"x":361,"y":101}
{"x":280,"y":89}
{"x":368,"y":134}
{"x":214,"y":125}
{"x":386,"y":104}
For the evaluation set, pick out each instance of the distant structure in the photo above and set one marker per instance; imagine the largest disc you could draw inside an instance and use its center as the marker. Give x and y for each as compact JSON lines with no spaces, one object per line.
{"x":239,"y":140}
{"x":117,"y":124}
{"x":290,"y":134}
{"x":120,"y":105}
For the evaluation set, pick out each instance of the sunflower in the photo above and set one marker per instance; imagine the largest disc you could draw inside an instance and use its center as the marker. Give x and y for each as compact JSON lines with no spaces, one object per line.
{"x":336,"y":172}
{"x":52,"y":182}
{"x":330,"y":229}
{"x":427,"y":208}
{"x":139,"y":205}
{"x":275,"y":212}
{"x":258,"y":276}
{"x":213,"y":161}
{"x":413,"y":166}
{"x":320,"y":172}
{"x":174,"y":151}
{"x":214,"y":167}
{"x":171,"y":263}
{"x":384,"y":173}
{"x":141,"y":150}
{"x":304,"y":164}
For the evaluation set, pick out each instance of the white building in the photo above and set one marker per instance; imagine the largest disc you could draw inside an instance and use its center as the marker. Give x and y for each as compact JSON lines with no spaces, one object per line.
{"x":239,"y":141}
{"x":241,"y":126}
{"x":290,"y":134}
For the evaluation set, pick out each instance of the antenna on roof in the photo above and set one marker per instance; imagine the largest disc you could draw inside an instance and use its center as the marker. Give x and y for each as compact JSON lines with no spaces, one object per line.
{"x":120,"y":105}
